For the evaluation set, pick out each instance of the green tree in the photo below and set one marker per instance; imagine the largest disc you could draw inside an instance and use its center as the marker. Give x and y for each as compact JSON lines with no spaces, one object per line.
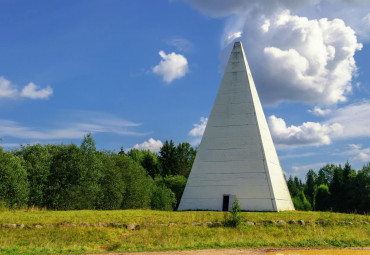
{"x":112,"y":184}
{"x":148,"y":160}
{"x":14,"y":187}
{"x":325,"y":175}
{"x":37,"y":160}
{"x":137,"y":183}
{"x":177,"y":184}
{"x":74,"y":177}
{"x":301,"y":203}
{"x":162,"y":198}
{"x":310,"y":187}
{"x":168,"y":158}
{"x":337,"y":190}
{"x":185,"y":158}
{"x":292,"y":186}
{"x":322,"y":199}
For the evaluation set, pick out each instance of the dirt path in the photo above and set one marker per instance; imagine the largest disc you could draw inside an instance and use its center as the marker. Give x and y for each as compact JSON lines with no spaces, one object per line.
{"x":350,"y":251}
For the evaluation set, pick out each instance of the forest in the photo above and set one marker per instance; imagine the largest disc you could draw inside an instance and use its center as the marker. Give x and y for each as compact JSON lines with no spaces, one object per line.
{"x":71,"y":177}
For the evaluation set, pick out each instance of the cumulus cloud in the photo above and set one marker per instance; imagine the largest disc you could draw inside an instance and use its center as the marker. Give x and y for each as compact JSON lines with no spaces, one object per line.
{"x":172,"y":66}
{"x":8,"y":90}
{"x":319,"y":112}
{"x":32,"y":91}
{"x":309,"y":133}
{"x":313,"y":62}
{"x":198,"y":129}
{"x":348,"y":122}
{"x":151,"y":144}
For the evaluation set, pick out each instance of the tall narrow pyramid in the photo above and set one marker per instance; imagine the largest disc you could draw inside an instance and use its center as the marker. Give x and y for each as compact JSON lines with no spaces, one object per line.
{"x":236,"y":157}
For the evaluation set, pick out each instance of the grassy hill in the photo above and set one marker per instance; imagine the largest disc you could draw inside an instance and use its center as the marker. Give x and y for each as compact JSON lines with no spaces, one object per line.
{"x":73,"y":232}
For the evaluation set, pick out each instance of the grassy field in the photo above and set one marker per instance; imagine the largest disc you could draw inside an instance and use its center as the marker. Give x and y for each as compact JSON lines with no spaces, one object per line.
{"x":157,"y":233}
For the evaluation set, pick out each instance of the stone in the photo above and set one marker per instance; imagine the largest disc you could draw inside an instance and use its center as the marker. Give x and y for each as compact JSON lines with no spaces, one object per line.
{"x":172,"y":224}
{"x":281,"y":222}
{"x":323,"y":222}
{"x":271,"y":222}
{"x":49,"y":226}
{"x":196,"y":224}
{"x":131,"y":227}
{"x":349,"y":223}
{"x":100,"y":225}
{"x":21,"y":226}
{"x":65,"y":224}
{"x":84,"y":224}
{"x":10,"y":225}
{"x":249,"y":223}
{"x":301,"y":222}
{"x":38,"y":226}
{"x":258,"y":223}
{"x":217,"y":224}
{"x":137,"y":227}
{"x":292,"y":222}
{"x":113,"y":225}
{"x":208,"y":224}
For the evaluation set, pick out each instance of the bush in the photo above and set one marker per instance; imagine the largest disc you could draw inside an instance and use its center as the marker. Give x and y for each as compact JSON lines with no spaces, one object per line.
{"x":162,"y":198}
{"x":234,"y":218}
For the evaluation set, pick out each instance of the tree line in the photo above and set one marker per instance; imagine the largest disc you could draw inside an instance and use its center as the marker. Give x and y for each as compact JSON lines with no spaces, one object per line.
{"x":71,"y":177}
{"x":333,"y":188}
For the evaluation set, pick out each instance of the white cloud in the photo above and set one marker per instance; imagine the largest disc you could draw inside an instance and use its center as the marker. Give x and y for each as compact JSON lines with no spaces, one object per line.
{"x":83,"y":122}
{"x":313,"y":62}
{"x":319,"y":112}
{"x":181,"y":44}
{"x":172,"y":66}
{"x":305,"y":168}
{"x":354,"y":118}
{"x":309,"y":133}
{"x":220,"y":8}
{"x":8,"y":90}
{"x":232,"y":37}
{"x":198,"y":129}
{"x":32,"y":91}
{"x":151,"y":144}
{"x":359,"y":154}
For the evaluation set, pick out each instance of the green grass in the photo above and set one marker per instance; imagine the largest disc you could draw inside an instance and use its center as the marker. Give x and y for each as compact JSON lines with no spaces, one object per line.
{"x":79,"y":240}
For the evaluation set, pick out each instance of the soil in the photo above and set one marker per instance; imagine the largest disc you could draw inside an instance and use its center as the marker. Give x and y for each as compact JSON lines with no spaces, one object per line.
{"x":350,"y":251}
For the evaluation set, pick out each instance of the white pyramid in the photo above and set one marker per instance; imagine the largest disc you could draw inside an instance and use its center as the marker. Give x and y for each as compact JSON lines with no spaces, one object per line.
{"x":236,"y":156}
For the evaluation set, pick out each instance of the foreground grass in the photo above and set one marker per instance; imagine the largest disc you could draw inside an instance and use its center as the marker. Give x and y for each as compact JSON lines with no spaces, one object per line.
{"x":77,"y":240}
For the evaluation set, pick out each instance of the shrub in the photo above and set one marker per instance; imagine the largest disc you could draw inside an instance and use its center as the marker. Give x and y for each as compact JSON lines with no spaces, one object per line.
{"x":234,"y":218}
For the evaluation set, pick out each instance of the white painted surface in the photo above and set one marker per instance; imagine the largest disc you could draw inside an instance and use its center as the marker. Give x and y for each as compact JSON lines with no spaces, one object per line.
{"x":237,"y":156}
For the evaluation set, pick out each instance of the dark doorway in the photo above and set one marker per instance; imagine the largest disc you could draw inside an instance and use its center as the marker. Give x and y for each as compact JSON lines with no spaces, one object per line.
{"x":225,"y":203}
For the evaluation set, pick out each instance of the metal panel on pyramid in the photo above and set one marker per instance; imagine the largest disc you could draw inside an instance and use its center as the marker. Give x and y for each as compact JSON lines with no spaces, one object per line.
{"x":236,"y":157}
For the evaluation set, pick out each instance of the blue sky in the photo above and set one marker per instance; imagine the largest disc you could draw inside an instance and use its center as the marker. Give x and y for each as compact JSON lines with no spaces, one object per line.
{"x":137,"y":73}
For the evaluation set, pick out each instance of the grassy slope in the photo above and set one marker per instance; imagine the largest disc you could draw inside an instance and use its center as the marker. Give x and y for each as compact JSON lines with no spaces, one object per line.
{"x":68,"y":240}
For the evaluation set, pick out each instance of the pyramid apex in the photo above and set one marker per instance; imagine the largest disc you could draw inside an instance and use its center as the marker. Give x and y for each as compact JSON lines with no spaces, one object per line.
{"x":238,"y":43}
